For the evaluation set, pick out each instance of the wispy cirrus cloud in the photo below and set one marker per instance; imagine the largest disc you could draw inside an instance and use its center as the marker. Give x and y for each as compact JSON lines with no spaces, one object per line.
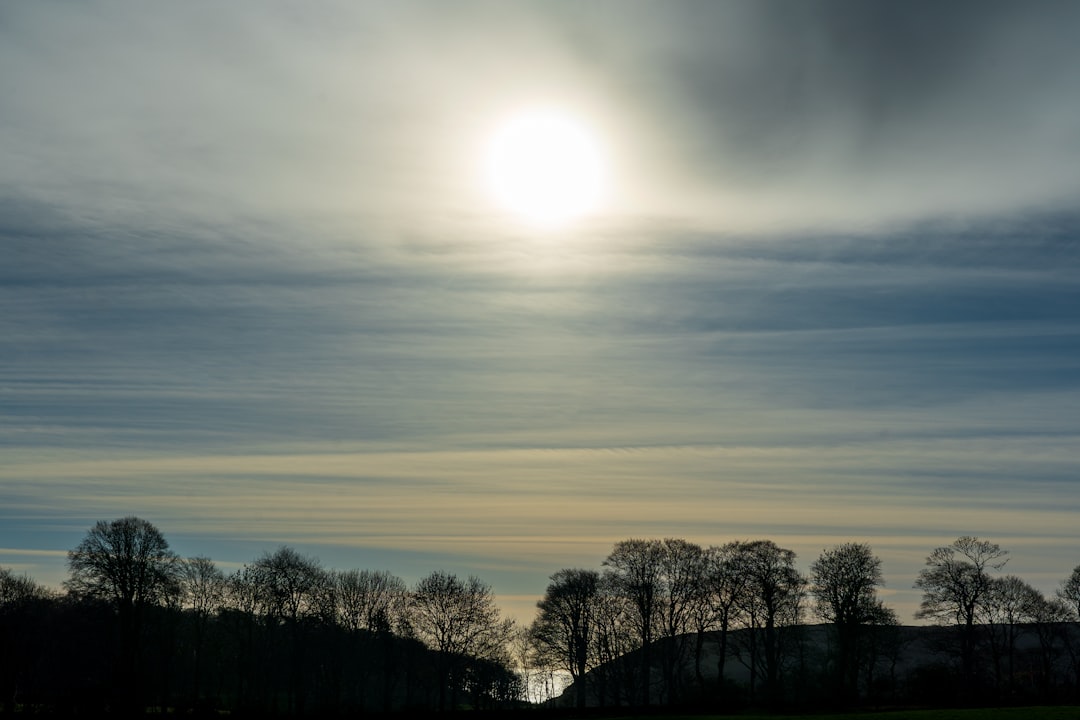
{"x":520,"y":514}
{"x":248,"y":287}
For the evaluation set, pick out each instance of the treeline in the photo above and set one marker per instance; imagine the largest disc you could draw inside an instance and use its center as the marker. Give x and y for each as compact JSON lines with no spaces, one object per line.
{"x":139,"y":629}
{"x":665,"y":621}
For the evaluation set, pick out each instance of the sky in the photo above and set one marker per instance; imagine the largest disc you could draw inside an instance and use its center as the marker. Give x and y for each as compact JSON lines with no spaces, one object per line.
{"x":253,"y":290}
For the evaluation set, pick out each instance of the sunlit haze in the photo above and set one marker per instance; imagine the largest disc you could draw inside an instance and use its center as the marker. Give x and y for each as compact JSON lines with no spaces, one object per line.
{"x":545,"y":166}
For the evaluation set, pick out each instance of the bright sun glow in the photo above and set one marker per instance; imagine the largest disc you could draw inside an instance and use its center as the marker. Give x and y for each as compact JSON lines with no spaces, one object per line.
{"x":544,"y":166}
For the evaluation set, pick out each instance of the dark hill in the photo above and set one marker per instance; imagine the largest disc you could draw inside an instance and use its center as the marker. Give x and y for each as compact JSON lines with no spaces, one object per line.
{"x":908,"y":665}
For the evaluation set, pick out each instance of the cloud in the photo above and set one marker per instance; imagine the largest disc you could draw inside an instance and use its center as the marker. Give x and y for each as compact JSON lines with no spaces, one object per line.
{"x":834,"y":114}
{"x":519,"y":515}
{"x":752,"y":116}
{"x":204,"y":339}
{"x":250,"y":292}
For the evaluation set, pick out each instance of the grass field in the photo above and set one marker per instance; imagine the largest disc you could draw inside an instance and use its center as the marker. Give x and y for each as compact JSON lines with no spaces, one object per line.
{"x":1029,"y":713}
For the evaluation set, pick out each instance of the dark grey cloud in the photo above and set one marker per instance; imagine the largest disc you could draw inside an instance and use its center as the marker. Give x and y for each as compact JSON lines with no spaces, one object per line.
{"x":240,"y":336}
{"x":750,"y":114}
{"x":849,"y":109}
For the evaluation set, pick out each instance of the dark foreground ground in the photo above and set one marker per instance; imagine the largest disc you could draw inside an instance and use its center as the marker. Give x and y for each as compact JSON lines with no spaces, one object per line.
{"x":1013,"y":713}
{"x":1027,"y":713}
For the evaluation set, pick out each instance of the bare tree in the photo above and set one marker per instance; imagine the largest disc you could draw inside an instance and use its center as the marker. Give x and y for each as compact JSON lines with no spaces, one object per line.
{"x":296,"y":591}
{"x":882,"y":646}
{"x":372,"y":600}
{"x":537,"y":675}
{"x":15,"y":590}
{"x":616,"y":637}
{"x":682,"y":579}
{"x":954,"y":582}
{"x":202,"y":587}
{"x":1049,"y":618}
{"x":293,"y":586}
{"x":725,"y":588}
{"x":1008,"y":603}
{"x":128,"y":563}
{"x":21,"y":636}
{"x":564,"y":628}
{"x":634,"y":569}
{"x":773,"y":602}
{"x":244,"y":610}
{"x":844,"y":582}
{"x":1069,"y":595}
{"x":373,"y":606}
{"x":458,"y":619}
{"x":1069,"y":592}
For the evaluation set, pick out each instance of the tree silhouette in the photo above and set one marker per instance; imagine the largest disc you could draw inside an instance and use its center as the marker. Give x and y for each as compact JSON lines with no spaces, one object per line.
{"x":296,"y":592}
{"x":17,"y":590}
{"x":372,"y":608}
{"x":615,"y":637}
{"x":1069,"y":595}
{"x":634,"y":571}
{"x":1048,"y":617}
{"x":724,"y":589}
{"x":682,"y":580}
{"x":22,"y":602}
{"x":1007,"y":605}
{"x":773,"y":601}
{"x":128,"y":563}
{"x":1069,"y":592}
{"x":284,"y":636}
{"x":203,"y":588}
{"x":844,"y":582}
{"x":459,"y":620}
{"x":566,"y":624}
{"x":954,"y":582}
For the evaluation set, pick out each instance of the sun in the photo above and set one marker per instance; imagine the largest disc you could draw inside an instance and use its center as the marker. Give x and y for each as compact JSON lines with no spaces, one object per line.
{"x":546,"y":167}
